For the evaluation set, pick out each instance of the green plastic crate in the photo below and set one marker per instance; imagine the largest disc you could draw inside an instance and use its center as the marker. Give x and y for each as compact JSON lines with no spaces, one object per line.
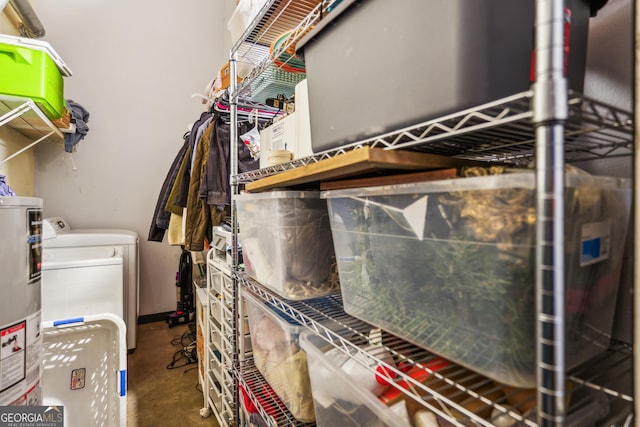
{"x":32,"y":73}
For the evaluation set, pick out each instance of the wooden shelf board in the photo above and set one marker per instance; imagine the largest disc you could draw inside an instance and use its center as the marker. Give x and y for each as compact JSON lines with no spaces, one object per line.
{"x":352,"y":163}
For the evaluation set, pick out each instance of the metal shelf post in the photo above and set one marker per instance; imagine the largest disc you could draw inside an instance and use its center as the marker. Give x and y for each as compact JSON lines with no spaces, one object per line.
{"x":636,"y":211}
{"x":550,"y":111}
{"x":233,"y":149}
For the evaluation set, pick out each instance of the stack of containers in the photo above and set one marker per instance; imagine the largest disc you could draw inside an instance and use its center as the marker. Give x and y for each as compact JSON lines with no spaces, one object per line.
{"x":449,"y":266}
{"x":287,"y":247}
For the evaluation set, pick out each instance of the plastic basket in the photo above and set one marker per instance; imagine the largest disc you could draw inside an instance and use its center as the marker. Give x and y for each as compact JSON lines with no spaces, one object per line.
{"x":85,"y":369}
{"x":273,"y":82}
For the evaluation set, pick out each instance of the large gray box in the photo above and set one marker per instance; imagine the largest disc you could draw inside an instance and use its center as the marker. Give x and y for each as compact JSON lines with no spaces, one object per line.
{"x":377,"y":65}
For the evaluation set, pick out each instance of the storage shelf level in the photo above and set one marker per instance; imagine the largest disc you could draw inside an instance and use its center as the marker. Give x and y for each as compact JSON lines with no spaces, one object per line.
{"x":325,"y":317}
{"x":275,"y":18}
{"x":499,"y":131}
{"x":272,"y":410}
{"x":24,"y":117}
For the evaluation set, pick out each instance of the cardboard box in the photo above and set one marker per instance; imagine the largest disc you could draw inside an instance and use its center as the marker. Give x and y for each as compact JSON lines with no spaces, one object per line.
{"x":282,"y":135}
{"x":292,"y":133}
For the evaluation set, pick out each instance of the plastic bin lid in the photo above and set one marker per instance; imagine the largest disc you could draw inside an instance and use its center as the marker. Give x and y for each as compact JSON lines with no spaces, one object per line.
{"x":487,"y":182}
{"x":38,"y":45}
{"x":281,"y":195}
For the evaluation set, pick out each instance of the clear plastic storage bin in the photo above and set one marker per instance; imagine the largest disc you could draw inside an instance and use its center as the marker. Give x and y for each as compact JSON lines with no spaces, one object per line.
{"x":340,"y":399}
{"x":286,"y":242}
{"x":450,"y":265}
{"x":278,"y":357}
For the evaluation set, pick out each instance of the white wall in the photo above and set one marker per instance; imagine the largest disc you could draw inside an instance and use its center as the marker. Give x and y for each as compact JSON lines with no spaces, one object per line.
{"x":135,"y":65}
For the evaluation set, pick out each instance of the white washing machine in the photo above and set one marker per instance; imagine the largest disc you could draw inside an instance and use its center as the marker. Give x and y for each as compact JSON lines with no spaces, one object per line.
{"x":61,"y":241}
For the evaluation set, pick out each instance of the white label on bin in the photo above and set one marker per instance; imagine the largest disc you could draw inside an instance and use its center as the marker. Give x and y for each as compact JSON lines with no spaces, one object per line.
{"x":595,"y":241}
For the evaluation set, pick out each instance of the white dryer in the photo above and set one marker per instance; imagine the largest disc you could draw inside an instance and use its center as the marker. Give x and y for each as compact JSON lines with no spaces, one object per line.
{"x":59,"y":238}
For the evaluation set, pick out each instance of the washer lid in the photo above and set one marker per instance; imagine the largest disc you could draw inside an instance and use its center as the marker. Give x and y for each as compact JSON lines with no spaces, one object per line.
{"x":79,"y":238}
{"x":57,"y":233}
{"x":16,"y":201}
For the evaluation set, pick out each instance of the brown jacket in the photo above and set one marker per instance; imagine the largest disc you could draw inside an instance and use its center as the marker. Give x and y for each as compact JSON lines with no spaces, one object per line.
{"x":198,"y":216}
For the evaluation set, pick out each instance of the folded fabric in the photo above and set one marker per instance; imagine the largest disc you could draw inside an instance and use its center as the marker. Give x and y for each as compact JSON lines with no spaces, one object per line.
{"x":5,"y":190}
{"x":79,"y":116}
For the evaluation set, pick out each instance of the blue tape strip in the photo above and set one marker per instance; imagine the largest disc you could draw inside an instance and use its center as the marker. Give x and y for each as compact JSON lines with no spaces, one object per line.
{"x":123,"y":383}
{"x":67,"y":321}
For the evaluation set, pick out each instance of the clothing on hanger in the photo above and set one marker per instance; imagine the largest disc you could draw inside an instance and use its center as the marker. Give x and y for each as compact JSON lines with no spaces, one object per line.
{"x":161,"y":217}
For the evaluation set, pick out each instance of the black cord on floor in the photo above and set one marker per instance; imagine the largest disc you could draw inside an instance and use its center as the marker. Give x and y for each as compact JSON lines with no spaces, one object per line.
{"x":188,"y":354}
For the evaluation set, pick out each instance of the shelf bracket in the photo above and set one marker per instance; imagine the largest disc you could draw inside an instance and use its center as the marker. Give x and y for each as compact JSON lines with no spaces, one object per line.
{"x":37,"y":125}
{"x":14,"y":114}
{"x":22,"y":150}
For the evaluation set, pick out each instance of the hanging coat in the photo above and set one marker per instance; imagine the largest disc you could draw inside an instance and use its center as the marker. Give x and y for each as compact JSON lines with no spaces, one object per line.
{"x":160,"y":221}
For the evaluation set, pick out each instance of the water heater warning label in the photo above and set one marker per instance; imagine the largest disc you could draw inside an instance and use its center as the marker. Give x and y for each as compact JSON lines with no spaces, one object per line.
{"x":34,"y":221}
{"x":12,"y":355}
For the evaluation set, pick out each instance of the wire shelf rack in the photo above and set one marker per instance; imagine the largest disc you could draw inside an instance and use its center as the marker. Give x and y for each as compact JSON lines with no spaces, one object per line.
{"x":499,"y":131}
{"x":271,"y":409}
{"x":23,"y":116}
{"x":325,"y":317}
{"x":275,"y":18}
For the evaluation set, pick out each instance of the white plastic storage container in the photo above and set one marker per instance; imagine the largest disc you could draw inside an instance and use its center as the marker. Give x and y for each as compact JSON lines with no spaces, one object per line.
{"x":286,"y":242}
{"x":278,"y":357}
{"x":85,"y":369}
{"x":449,"y":265}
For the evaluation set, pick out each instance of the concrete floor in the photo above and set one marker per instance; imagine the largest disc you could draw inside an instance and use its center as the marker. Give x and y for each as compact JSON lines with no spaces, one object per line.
{"x":157,"y":396}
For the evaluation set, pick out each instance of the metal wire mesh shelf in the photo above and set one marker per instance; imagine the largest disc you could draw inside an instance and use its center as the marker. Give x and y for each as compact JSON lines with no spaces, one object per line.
{"x":325,"y":317}
{"x":275,"y":18}
{"x":23,"y":116}
{"x":611,"y":375}
{"x":499,"y":131}
{"x":269,"y":406}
